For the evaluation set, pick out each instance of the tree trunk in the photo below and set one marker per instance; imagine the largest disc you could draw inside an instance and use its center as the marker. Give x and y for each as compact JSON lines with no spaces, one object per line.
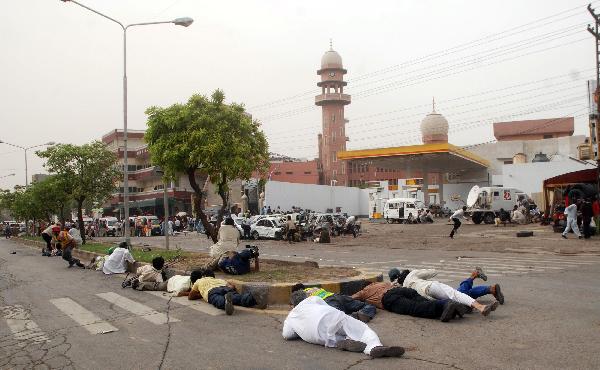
{"x":224,"y":198}
{"x":80,"y":219}
{"x":198,"y":199}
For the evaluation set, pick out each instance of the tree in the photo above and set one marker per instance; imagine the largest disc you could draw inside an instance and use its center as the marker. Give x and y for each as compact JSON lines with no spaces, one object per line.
{"x":90,"y":171}
{"x":205,"y":135}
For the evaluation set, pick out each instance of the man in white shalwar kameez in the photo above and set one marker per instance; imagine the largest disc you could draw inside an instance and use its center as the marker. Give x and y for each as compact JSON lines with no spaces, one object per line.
{"x":314,"y":321}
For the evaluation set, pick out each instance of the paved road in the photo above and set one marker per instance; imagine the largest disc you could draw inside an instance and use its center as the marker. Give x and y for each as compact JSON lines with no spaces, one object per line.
{"x":55,"y":317}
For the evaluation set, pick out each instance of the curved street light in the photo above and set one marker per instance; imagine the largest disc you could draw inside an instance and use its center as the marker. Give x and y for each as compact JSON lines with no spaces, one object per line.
{"x":25,"y":149}
{"x":185,"y":22}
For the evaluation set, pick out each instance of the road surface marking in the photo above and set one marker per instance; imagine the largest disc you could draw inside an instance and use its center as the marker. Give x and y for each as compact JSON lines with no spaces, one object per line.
{"x":197,"y":305}
{"x":22,"y":327}
{"x":143,"y":311}
{"x":83,"y":317}
{"x":533,"y":260}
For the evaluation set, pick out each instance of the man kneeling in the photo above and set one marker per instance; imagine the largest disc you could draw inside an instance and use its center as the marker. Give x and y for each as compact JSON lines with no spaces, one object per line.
{"x":314,"y":321}
{"x":220,"y":293}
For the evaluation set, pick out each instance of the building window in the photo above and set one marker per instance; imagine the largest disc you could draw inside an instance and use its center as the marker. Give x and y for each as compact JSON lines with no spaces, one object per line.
{"x":333,"y":118}
{"x":508,"y":162}
{"x":289,"y":172}
{"x":277,"y":173}
{"x":334,"y":156}
{"x":546,"y":136}
{"x":307,"y":172}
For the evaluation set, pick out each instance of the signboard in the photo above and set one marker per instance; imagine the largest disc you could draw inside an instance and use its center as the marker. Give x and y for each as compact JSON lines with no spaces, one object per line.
{"x":507,"y":195}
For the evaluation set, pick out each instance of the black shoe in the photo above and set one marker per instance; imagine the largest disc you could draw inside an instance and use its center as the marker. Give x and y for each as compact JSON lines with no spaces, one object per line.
{"x":229,"y":303}
{"x":564,"y":236}
{"x":480,"y":273}
{"x":71,"y":263}
{"x":499,"y":296}
{"x":364,"y":318}
{"x":462,"y":309}
{"x":59,"y":253}
{"x":449,"y":312}
{"x":351,"y":345}
{"x":135,"y":284}
{"x":383,"y":351}
{"x":126,"y":283}
{"x":80,"y":265}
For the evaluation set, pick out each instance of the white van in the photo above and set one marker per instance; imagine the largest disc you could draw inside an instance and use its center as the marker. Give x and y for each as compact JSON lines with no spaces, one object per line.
{"x":399,"y":209}
{"x":484,"y":203}
{"x":113,"y":228}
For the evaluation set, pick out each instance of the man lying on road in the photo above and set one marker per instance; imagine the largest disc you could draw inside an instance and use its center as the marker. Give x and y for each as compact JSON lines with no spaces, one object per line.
{"x":348,"y":305}
{"x":406,"y":301}
{"x":418,"y":280}
{"x":314,"y":321}
{"x":479,"y":291}
{"x":220,"y":293}
{"x":177,"y":285}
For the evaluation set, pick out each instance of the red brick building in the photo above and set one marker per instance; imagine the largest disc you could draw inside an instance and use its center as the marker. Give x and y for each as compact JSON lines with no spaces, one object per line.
{"x":536,"y":129}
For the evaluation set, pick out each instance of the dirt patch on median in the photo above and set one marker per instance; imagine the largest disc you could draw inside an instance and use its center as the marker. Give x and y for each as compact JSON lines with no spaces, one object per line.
{"x":274,"y":271}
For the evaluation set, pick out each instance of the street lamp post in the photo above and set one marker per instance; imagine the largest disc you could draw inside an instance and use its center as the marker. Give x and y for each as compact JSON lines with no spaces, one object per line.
{"x":185,"y":22}
{"x":25,"y":149}
{"x":331,"y":185}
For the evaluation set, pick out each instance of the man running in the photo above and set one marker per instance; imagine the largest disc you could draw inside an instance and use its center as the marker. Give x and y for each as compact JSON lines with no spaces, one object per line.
{"x":456,"y":216}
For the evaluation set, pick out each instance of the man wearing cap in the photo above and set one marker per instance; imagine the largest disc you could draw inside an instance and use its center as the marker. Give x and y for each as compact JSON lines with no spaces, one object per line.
{"x":314,"y":321}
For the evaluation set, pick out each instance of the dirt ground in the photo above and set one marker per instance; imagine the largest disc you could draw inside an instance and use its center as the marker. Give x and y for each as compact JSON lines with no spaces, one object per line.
{"x":274,"y":271}
{"x":470,"y":237}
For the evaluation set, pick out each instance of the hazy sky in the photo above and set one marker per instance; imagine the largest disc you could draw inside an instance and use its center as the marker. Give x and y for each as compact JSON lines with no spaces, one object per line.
{"x":61,"y":66}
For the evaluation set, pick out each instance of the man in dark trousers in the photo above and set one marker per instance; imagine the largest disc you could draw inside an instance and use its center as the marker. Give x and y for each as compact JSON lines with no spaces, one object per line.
{"x":405,"y":301}
{"x":587,"y":213}
{"x":456,"y":216}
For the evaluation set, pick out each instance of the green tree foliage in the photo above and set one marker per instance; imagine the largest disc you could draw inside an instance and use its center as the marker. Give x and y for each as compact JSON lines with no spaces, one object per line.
{"x":89,"y":171}
{"x":220,"y":141}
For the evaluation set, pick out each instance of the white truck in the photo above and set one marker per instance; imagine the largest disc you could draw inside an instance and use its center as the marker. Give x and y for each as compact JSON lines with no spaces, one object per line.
{"x":484,"y":203}
{"x":399,"y":209}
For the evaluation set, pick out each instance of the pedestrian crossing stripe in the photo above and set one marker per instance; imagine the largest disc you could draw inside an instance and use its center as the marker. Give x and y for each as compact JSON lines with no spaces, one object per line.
{"x":23,"y":328}
{"x":143,"y":311}
{"x":82,"y":316}
{"x":197,"y":305}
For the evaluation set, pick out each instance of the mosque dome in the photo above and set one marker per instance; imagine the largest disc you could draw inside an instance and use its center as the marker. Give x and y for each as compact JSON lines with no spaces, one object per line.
{"x":331,"y":59}
{"x":434,"y":128}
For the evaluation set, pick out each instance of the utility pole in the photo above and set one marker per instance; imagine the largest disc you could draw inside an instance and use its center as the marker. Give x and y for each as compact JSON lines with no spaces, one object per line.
{"x":595,"y":130}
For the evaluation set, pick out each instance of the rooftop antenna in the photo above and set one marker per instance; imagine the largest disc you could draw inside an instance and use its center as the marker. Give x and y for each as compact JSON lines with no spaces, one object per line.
{"x":433,"y":104}
{"x":331,"y":44}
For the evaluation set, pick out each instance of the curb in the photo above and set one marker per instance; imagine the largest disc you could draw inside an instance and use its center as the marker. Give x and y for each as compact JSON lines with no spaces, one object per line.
{"x":276,"y":294}
{"x":279,"y":293}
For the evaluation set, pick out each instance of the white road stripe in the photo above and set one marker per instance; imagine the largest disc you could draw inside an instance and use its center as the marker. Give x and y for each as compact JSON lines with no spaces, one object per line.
{"x":491,"y":268}
{"x":534,"y":259}
{"x":22,"y":327}
{"x":137,"y":308}
{"x":197,"y":305}
{"x":83,"y":317}
{"x":517,"y":266}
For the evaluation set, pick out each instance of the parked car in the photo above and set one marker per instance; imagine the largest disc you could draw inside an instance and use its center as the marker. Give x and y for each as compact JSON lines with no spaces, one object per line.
{"x":238,"y":224}
{"x":267,"y":228}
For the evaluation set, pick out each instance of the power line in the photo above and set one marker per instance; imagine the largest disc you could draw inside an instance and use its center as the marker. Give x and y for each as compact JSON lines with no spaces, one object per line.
{"x":448,"y":51}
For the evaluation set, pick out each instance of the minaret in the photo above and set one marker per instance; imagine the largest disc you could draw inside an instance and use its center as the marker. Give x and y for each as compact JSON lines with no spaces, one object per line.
{"x":332,"y":101}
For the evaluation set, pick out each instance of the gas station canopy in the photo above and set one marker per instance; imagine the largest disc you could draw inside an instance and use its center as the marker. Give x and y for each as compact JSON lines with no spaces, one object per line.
{"x":439,"y":157}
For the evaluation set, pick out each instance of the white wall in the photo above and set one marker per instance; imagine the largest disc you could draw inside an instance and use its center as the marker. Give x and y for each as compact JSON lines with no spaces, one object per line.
{"x":529,"y":177}
{"x":319,"y":198}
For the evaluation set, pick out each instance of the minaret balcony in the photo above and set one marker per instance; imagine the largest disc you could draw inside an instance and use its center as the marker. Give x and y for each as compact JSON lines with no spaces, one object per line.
{"x":332,"y":98}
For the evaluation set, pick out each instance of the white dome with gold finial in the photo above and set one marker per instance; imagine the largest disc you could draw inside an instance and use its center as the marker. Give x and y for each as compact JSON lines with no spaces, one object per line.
{"x":434,"y":128}
{"x":331,"y":59}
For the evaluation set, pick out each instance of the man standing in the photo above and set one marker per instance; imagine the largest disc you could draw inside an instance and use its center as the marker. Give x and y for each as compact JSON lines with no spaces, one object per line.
{"x":291,"y":229}
{"x":586,"y":218}
{"x":456,"y":216}
{"x":314,"y":321}
{"x":571,"y":212}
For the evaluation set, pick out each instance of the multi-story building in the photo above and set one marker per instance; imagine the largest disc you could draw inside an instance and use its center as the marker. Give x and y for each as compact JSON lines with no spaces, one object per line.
{"x":146,"y":187}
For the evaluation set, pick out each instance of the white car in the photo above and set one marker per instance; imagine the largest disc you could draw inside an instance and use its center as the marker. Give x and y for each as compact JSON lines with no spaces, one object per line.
{"x":267,"y":228}
{"x":238,"y":225}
